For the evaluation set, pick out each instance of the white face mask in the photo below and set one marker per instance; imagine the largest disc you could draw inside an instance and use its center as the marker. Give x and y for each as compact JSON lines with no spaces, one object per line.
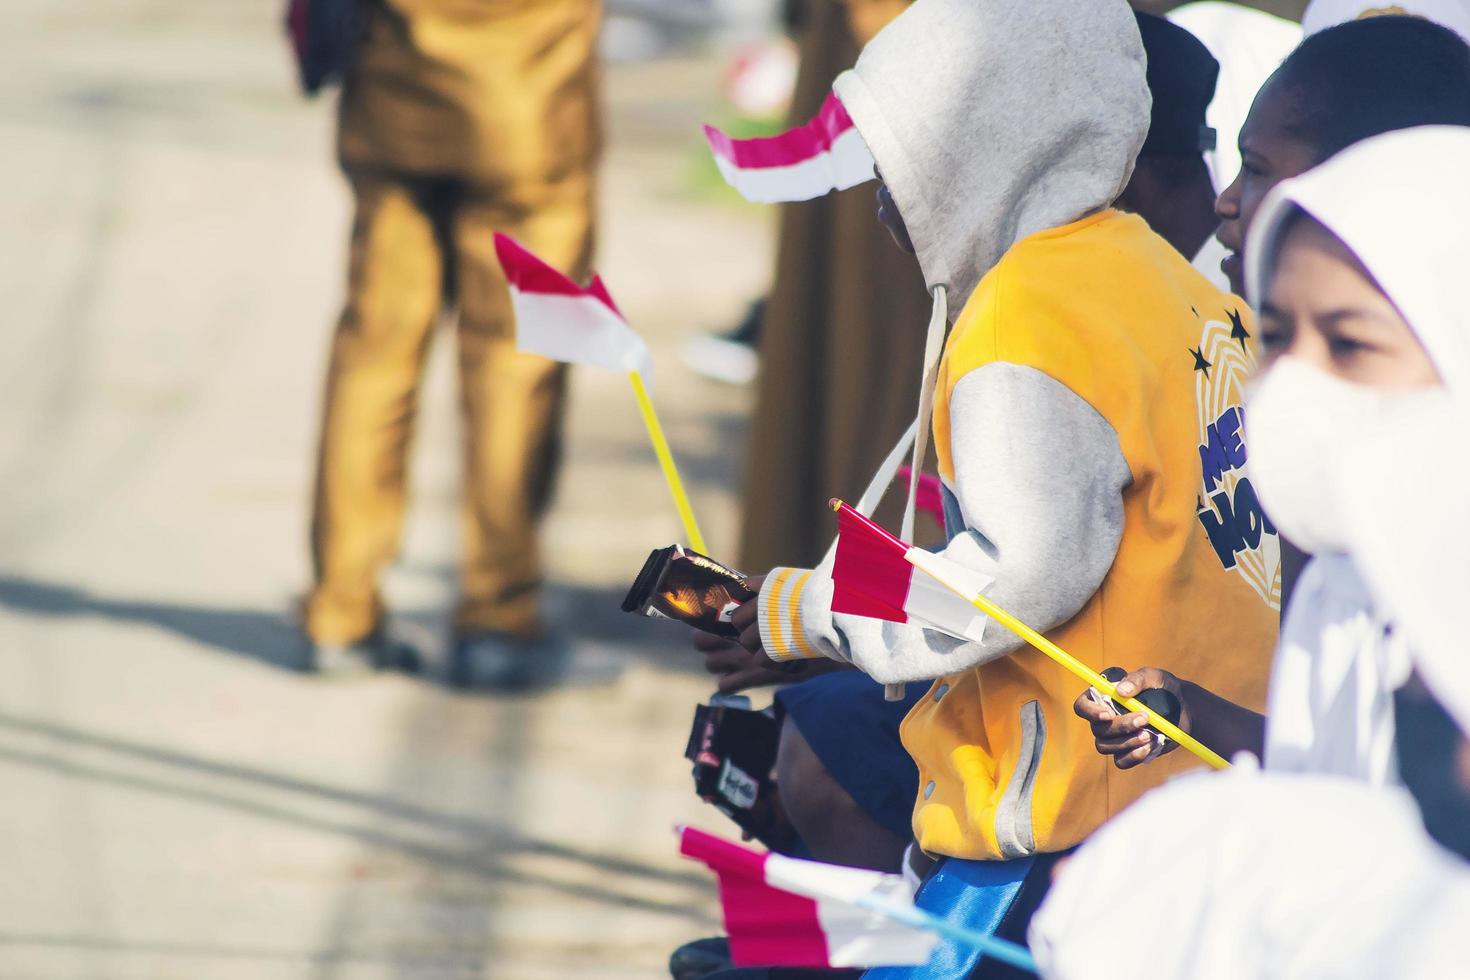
{"x":1302,"y":435}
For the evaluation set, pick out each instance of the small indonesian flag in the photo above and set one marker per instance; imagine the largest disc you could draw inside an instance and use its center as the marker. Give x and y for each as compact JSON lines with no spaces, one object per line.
{"x":878,"y":576}
{"x":780,"y":911}
{"x":558,"y":319}
{"x":825,"y":155}
{"x":928,"y":496}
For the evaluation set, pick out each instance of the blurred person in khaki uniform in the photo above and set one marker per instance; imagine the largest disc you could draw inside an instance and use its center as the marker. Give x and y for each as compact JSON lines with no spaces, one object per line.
{"x":458,"y":118}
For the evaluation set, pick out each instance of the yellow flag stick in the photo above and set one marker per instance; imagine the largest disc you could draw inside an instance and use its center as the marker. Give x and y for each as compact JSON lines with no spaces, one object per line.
{"x":916,"y":557}
{"x":1098,"y":681}
{"x":666,"y":462}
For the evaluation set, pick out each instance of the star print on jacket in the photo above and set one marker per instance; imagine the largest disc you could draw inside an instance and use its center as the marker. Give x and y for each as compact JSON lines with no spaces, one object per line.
{"x":1237,"y":329}
{"x":1229,"y":510}
{"x":1200,"y":364}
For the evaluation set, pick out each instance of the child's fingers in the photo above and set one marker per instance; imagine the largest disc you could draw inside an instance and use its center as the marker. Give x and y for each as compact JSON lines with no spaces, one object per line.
{"x":711,"y":642}
{"x":1118,"y":727}
{"x":1135,"y":758}
{"x":740,"y":680}
{"x":746,"y":616}
{"x":1123,"y":746}
{"x":1143,"y":679}
{"x":1091,"y":711}
{"x":729,"y":658}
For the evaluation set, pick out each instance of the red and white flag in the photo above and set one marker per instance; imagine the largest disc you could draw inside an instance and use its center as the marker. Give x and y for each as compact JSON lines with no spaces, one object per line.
{"x":928,"y":495}
{"x":558,"y":319}
{"x":780,"y":911}
{"x":877,"y":575}
{"x":825,"y":155}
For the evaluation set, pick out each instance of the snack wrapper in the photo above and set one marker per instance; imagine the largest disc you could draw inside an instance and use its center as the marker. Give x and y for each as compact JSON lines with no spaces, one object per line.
{"x":680,"y":584}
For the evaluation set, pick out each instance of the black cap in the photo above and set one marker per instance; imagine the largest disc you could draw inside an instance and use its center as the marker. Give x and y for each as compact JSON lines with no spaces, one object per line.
{"x":1181,"y":79}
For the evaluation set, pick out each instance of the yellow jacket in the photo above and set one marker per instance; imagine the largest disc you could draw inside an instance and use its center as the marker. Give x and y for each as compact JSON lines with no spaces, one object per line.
{"x":1087,"y":429}
{"x":501,"y":93}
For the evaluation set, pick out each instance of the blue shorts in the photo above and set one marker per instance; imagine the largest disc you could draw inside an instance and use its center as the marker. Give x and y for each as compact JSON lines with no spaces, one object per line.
{"x":854,"y":732}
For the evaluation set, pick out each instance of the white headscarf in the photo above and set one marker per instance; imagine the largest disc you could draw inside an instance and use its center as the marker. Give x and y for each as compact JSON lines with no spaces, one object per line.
{"x":1322,"y":14}
{"x":1411,"y":536}
{"x":1408,"y":515}
{"x":1401,"y":203}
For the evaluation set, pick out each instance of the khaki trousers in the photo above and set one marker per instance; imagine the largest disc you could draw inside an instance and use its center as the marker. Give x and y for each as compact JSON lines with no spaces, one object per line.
{"x":421,"y":245}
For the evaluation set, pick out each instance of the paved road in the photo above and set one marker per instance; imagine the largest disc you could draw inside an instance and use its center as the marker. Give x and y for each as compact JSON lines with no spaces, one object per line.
{"x":175,"y":803}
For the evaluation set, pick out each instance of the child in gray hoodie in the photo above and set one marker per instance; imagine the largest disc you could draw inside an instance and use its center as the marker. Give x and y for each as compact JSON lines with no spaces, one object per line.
{"x":1085,"y":418}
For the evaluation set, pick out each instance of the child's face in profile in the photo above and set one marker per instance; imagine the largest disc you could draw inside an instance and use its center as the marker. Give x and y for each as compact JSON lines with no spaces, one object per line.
{"x":1324,"y":308}
{"x":1269,"y":154}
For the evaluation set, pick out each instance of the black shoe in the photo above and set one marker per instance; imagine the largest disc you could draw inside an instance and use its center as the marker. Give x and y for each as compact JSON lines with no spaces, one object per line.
{"x":748,"y":330}
{"x":493,"y":661}
{"x":699,"y":959}
{"x":375,"y":652}
{"x":732,"y":357}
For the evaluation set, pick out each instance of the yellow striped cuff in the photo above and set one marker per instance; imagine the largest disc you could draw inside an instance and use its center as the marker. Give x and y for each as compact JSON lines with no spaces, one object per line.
{"x":782,"y":633}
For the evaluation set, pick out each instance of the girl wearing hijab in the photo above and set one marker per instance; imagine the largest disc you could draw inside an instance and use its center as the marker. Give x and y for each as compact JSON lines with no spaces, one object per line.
{"x":1356,"y":427}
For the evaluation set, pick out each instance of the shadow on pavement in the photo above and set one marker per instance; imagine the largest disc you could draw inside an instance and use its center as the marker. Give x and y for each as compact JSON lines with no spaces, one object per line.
{"x":475,"y":847}
{"x":261,"y":635}
{"x":600,"y":635}
{"x":449,"y":845}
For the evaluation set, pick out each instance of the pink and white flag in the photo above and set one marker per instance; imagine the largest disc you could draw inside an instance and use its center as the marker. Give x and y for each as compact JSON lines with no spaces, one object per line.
{"x":780,"y":911}
{"x":879,"y":576}
{"x":558,"y":319}
{"x":825,"y":155}
{"x":928,"y":495}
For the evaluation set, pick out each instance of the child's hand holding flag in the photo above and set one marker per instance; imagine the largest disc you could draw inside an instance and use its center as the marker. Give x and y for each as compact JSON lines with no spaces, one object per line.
{"x":879,"y":576}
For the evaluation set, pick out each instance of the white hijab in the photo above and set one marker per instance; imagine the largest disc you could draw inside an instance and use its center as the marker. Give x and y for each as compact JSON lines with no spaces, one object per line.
{"x":1322,"y":14}
{"x":1252,"y":876}
{"x":1401,"y":203}
{"x":1415,"y":556}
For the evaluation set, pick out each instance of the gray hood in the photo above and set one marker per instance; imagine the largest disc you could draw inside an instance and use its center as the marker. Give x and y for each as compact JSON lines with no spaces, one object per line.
{"x":995,"y":119}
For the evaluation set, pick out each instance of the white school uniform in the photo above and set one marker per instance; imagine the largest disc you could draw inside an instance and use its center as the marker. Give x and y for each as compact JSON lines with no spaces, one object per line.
{"x":1255,"y":876}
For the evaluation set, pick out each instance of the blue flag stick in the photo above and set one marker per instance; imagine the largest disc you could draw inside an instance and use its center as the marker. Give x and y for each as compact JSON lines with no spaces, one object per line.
{"x":1000,"y":949}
